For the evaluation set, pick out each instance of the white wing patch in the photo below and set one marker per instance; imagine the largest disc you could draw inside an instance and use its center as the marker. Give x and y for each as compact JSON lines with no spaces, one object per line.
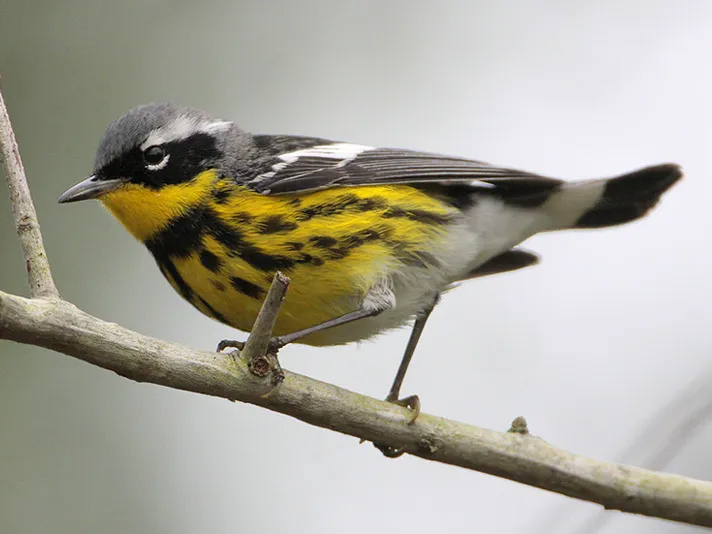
{"x":480,"y":183}
{"x":183,"y":127}
{"x":345,"y":152}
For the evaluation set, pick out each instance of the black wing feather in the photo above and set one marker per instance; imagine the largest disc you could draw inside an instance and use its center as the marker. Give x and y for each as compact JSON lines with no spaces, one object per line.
{"x":291,"y":172}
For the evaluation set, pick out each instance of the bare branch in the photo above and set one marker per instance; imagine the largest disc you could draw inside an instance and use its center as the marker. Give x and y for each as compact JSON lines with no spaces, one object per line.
{"x":256,"y":350}
{"x":36,"y":263}
{"x":258,"y":342}
{"x":60,"y":326}
{"x":655,"y":446}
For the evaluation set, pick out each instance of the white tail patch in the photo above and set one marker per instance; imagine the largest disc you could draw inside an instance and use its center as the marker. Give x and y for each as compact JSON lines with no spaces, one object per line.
{"x":567,"y":205}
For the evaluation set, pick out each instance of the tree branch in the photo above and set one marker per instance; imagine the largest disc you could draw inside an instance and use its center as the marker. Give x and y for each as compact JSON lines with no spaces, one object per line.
{"x":59,"y":325}
{"x":28,"y":228}
{"x":658,"y":442}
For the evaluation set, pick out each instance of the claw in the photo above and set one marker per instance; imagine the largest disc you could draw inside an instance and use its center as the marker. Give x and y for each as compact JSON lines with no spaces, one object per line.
{"x":230,"y":344}
{"x":412,"y":403}
{"x":275,"y":344}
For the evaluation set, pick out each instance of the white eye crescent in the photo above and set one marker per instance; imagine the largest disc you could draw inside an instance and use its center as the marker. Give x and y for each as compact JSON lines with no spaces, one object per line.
{"x":155,"y":157}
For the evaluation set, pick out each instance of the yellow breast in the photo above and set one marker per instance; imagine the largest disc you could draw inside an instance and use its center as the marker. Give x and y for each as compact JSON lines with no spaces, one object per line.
{"x":219,"y":244}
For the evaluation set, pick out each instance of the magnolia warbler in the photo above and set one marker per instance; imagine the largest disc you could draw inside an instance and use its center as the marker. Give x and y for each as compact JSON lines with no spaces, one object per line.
{"x":370,"y":237}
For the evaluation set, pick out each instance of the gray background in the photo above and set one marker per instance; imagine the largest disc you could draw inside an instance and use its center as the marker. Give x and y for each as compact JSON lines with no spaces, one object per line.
{"x":589,"y":346}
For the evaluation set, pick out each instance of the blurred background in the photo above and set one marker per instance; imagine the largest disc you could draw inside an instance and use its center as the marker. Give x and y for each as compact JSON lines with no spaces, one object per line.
{"x":604,"y":347}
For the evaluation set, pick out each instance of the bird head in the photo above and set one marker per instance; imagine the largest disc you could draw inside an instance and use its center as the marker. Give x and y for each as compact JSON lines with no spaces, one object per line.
{"x":156,"y":160}
{"x":154,"y":146}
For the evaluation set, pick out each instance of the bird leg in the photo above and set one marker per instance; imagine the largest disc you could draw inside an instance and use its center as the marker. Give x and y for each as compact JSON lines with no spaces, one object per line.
{"x":412,"y":401}
{"x":278,"y":342}
{"x":378,"y":299}
{"x":361,"y":313}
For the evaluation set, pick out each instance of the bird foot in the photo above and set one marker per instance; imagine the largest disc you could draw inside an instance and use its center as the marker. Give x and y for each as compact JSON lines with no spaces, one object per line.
{"x":275,"y":344}
{"x":413,"y":403}
{"x":230,"y":344}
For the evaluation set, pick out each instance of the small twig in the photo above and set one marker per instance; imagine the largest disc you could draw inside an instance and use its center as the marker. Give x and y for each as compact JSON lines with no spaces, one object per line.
{"x":258,"y":343}
{"x":28,"y":229}
{"x":519,"y":426}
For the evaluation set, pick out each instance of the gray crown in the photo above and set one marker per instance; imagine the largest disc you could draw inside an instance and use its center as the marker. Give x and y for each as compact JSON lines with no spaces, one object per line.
{"x":133,"y":128}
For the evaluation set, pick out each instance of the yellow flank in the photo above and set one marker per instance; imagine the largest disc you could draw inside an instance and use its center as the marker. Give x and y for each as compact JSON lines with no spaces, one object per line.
{"x":333,"y":244}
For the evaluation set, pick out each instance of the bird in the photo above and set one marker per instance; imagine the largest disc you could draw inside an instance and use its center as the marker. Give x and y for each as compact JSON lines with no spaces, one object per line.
{"x":370,"y":237}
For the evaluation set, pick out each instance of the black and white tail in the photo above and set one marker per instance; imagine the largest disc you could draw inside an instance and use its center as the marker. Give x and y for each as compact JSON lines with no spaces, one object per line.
{"x":630,"y":196}
{"x":611,"y":201}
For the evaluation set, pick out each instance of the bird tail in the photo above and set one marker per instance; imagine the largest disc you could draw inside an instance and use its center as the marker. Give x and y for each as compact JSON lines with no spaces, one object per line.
{"x":611,"y":201}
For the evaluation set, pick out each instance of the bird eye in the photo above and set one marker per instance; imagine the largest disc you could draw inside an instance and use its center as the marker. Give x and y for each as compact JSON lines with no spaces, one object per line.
{"x":154,"y":155}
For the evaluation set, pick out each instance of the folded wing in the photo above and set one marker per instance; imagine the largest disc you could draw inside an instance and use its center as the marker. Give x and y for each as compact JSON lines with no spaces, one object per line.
{"x":324,"y":164}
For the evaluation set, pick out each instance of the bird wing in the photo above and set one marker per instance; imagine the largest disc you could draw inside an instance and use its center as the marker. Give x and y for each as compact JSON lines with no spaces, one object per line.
{"x":310,"y":164}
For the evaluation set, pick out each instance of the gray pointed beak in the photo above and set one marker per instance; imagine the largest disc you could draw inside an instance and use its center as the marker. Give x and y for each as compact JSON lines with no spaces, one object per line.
{"x":92,"y":187}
